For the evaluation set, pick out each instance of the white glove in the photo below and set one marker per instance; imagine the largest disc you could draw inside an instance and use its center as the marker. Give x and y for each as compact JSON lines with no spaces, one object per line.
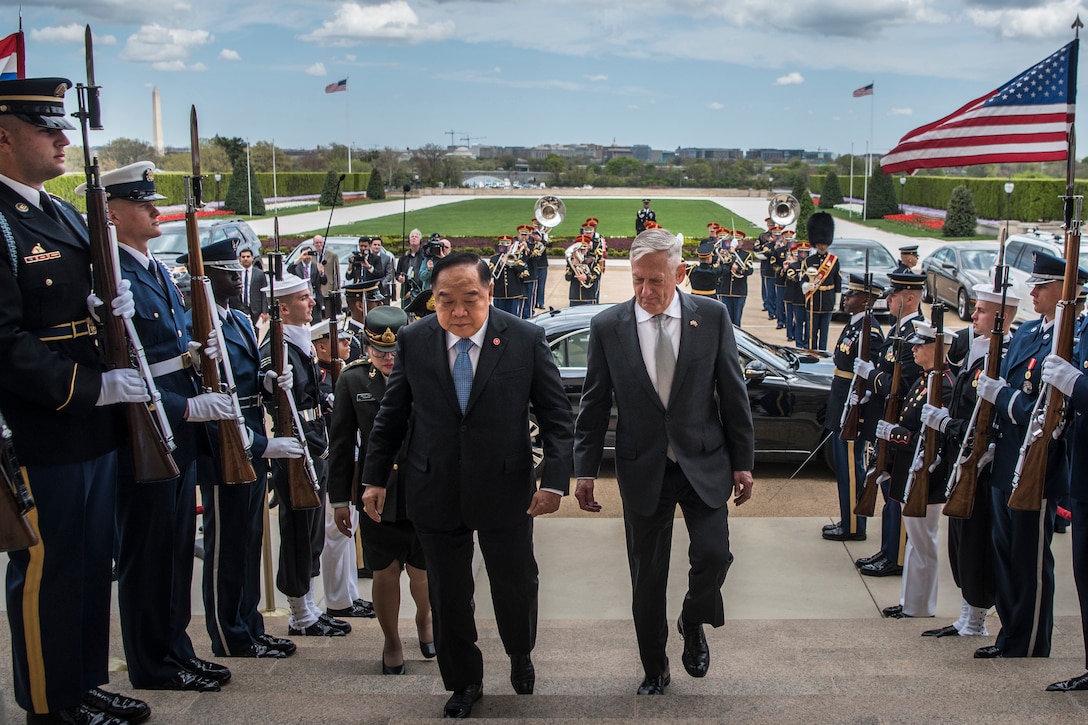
{"x":986,"y":457}
{"x":209,"y":406}
{"x":329,"y":400}
{"x":988,"y":388}
{"x":283,"y":448}
{"x":286,"y":380}
{"x":934,"y":417}
{"x":122,"y":306}
{"x":936,"y":462}
{"x":1060,"y":374}
{"x":213,"y":350}
{"x":193,"y":348}
{"x":806,"y":287}
{"x":123,"y":385}
{"x":853,"y":399}
{"x":863,"y":368}
{"x":884,"y":430}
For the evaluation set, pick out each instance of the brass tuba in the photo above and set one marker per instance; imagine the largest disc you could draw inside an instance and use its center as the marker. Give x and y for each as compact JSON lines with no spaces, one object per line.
{"x":784,"y":209}
{"x":549,"y":211}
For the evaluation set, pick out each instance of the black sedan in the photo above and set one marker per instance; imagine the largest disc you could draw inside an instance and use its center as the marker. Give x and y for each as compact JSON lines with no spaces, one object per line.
{"x":852,"y":254}
{"x":787,"y":387}
{"x":953,"y":270}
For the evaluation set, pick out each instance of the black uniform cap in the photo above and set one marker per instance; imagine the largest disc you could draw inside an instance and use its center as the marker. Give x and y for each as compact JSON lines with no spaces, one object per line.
{"x":38,"y":101}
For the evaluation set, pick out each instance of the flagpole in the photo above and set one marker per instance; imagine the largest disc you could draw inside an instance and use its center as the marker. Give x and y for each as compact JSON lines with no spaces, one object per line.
{"x":275,"y":188}
{"x":851,"y":176}
{"x":347,"y":114}
{"x":869,"y":156}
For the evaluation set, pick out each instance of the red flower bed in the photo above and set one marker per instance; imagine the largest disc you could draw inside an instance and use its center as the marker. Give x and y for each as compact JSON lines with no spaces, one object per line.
{"x":916,"y":220}
{"x":199,"y":215}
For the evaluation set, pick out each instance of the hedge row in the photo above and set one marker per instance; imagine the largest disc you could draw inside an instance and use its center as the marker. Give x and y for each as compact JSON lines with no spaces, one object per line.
{"x":172,"y":185}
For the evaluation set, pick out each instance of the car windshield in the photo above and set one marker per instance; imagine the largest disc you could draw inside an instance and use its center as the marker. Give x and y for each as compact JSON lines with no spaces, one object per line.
{"x":173,"y":241}
{"x":978,"y":258}
{"x":854,"y":257}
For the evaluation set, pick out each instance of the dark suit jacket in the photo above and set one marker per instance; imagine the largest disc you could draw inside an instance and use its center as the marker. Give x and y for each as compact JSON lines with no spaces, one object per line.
{"x":316,"y":280}
{"x":475,"y":469}
{"x":258,"y":300}
{"x":708,"y":423}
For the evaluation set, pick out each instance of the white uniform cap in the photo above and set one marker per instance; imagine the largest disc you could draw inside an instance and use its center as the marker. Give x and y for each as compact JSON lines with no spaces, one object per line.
{"x":986,"y":293}
{"x":289,"y":285}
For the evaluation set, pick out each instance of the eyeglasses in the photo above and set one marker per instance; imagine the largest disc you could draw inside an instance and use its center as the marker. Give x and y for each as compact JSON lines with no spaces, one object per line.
{"x":379,"y":355}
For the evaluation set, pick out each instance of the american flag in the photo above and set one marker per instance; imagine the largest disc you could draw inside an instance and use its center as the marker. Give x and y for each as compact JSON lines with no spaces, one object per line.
{"x":864,"y":91}
{"x":336,"y":87}
{"x":1026,"y":119}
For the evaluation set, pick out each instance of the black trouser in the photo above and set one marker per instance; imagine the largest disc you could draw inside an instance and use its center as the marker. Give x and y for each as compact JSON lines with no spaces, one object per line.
{"x":302,"y":532}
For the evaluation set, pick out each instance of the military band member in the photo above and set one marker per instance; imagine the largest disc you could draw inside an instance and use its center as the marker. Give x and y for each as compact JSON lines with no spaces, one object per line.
{"x":737,"y":264}
{"x":539,"y":239}
{"x":704,"y":276}
{"x":918,"y":596}
{"x":598,"y":250}
{"x":970,"y":547}
{"x":1023,"y":561}
{"x":797,"y":318}
{"x":530,"y":255}
{"x":908,"y":258}
{"x":55,"y":389}
{"x":903,"y":301}
{"x":583,"y":273}
{"x":781,"y":259}
{"x":234,"y":514}
{"x":823,"y":279}
{"x":849,"y":454}
{"x":510,"y":274}
{"x":764,"y":249}
{"x":645,"y":214}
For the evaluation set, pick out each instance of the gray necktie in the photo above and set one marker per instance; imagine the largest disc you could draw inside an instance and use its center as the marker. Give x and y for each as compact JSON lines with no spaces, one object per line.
{"x":665,"y":360}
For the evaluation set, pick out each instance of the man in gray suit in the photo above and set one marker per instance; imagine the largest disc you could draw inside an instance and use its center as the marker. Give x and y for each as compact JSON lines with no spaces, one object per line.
{"x":683,"y":436}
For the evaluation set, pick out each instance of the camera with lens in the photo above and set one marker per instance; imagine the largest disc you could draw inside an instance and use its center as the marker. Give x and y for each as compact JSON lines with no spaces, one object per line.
{"x":432,"y":249}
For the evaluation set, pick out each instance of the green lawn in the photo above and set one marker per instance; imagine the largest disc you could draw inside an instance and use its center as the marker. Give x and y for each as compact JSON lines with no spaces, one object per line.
{"x":907,"y":230}
{"x":493,"y":217}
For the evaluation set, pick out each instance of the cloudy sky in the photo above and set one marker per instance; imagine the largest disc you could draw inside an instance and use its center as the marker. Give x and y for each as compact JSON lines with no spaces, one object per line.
{"x":668,"y":73}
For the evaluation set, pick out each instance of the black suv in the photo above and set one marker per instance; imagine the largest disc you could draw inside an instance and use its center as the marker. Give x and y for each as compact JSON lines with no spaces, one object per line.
{"x":172,"y":244}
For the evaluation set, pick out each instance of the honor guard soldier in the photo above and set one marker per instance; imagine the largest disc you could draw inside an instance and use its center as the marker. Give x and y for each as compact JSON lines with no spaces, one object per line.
{"x":704,"y":276}
{"x":393,"y":544}
{"x":918,"y":595}
{"x":531,"y":256}
{"x":60,"y":403}
{"x":156,"y":523}
{"x":361,"y":297}
{"x":781,"y":259}
{"x":908,"y":258}
{"x":849,"y":454}
{"x":823,"y":279}
{"x":510,"y":274}
{"x":764,"y":248}
{"x":234,"y":514}
{"x":970,"y":547}
{"x":737,"y":264}
{"x":583,"y":273}
{"x":796,"y":312}
{"x":1023,"y":561}
{"x":903,"y":301}
{"x":645,"y":214}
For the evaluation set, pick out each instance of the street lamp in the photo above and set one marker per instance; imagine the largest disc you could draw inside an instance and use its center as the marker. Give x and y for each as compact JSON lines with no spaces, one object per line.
{"x":1008,"y":204}
{"x":902,"y":190}
{"x":218,"y":178}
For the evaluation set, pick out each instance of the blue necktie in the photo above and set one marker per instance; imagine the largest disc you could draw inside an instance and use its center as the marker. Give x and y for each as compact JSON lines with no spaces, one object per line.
{"x":462,"y":372}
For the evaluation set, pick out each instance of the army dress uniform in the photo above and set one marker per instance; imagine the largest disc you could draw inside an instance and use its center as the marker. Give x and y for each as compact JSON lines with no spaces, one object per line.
{"x":705,"y":276}
{"x":764,"y":247}
{"x":796,"y":311}
{"x":780,"y":258}
{"x":733,"y":285}
{"x":910,"y":250}
{"x":510,"y":277}
{"x":588,"y":292}
{"x":645,"y":214}
{"x":820,"y":303}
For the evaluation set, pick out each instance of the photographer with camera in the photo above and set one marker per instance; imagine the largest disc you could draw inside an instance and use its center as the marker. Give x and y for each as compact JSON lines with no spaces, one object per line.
{"x":435,"y":249}
{"x":408,"y":267}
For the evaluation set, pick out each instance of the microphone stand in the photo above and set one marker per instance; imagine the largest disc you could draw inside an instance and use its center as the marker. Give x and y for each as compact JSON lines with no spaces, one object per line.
{"x":335,"y":196}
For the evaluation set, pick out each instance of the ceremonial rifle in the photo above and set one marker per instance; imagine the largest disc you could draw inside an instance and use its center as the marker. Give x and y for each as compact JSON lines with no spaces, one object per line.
{"x":234,"y":456}
{"x":301,"y":475}
{"x":963,"y":481}
{"x":149,"y":433}
{"x":332,"y":303}
{"x":851,"y":412}
{"x":929,"y":440}
{"x":15,"y":499}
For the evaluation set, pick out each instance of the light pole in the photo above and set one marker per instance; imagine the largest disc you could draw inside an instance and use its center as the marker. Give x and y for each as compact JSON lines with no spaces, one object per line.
{"x":218,"y":178}
{"x":1008,"y":204}
{"x":902,"y":190}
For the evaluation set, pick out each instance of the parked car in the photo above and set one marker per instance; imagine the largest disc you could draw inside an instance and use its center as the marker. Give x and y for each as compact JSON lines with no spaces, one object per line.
{"x":342,"y":246}
{"x":1020,"y":252}
{"x":953,"y":270}
{"x":787,"y":387}
{"x":172,"y":243}
{"x":851,"y":254}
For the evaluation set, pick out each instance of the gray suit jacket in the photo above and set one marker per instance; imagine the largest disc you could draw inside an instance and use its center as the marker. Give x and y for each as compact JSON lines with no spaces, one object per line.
{"x":708,"y":422}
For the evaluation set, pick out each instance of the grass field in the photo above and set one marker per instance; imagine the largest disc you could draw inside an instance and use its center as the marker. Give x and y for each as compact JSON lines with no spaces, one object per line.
{"x":492,"y":217}
{"x":907,"y":230}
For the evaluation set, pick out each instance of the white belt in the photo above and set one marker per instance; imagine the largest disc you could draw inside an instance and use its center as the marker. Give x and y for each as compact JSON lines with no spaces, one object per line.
{"x":310,"y":415}
{"x":181,"y":362}
{"x":250,"y":401}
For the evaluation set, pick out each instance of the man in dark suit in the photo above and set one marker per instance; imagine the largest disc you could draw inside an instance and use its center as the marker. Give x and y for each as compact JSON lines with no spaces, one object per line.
{"x":251,"y":300}
{"x":467,"y":375}
{"x":683,"y":436}
{"x":310,"y":269}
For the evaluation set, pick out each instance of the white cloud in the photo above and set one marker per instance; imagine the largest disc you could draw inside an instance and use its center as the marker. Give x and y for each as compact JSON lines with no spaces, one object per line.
{"x":228,"y":54}
{"x":900,"y":112}
{"x":165,"y":48}
{"x":1044,"y":20}
{"x":716,"y":106}
{"x":790,"y":79}
{"x":390,"y":21}
{"x":598,"y":77}
{"x":72,"y":33}
{"x":177,"y":65}
{"x":317,"y":69}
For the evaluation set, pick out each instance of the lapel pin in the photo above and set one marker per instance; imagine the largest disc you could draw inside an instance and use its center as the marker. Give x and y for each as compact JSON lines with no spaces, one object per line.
{"x":495,"y":342}
{"x":22,"y":207}
{"x":693,"y":323}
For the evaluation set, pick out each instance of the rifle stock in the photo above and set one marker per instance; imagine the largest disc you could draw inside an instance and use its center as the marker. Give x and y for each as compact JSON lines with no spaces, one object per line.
{"x":918,"y":492}
{"x":851,"y":418}
{"x":15,"y":501}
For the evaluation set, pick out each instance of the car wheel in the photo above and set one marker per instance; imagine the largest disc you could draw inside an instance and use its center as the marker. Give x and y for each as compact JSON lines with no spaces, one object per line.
{"x":963,"y":305}
{"x":927,"y":294}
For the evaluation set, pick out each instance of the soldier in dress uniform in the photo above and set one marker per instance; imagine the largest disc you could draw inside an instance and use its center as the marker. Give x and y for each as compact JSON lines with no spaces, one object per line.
{"x":796,"y":311}
{"x":583,"y":273}
{"x":908,"y":258}
{"x":510,"y":274}
{"x":156,"y":523}
{"x":970,"y":547}
{"x":704,"y":276}
{"x":393,"y":544}
{"x":1024,"y":563}
{"x":598,"y":250}
{"x":361,"y":297}
{"x":527,"y":248}
{"x":764,"y":248}
{"x":539,"y":240}
{"x":645,"y":214}
{"x":737,"y":264}
{"x":903,"y":301}
{"x":781,"y":259}
{"x":823,"y":280}
{"x":918,"y":595}
{"x":234,"y":514}
{"x":849,"y":454}
{"x":55,"y":388}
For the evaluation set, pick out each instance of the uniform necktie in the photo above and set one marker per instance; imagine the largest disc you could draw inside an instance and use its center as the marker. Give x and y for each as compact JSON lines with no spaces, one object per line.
{"x":462,"y":372}
{"x":48,"y":206}
{"x":156,"y":272}
{"x":663,"y":356}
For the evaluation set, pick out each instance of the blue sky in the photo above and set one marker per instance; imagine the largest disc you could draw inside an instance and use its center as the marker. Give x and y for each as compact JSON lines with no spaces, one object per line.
{"x":725,"y":73}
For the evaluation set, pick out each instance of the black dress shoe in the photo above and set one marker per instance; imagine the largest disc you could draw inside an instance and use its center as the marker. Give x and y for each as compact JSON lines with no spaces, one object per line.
{"x":127,"y":708}
{"x":829,"y":527}
{"x":334,"y":623}
{"x":839,"y":533}
{"x":317,"y":629}
{"x":696,"y":657}
{"x":947,"y":631}
{"x":257,"y":650}
{"x":881,"y":568}
{"x":1072,"y":685}
{"x":358,"y":608}
{"x":654,"y":685}
{"x":81,"y":715}
{"x":522,"y":674}
{"x":428,"y":650}
{"x":868,"y":560}
{"x":186,"y":680}
{"x":211,"y":670}
{"x":397,"y":670}
{"x":461,"y":702}
{"x":892,"y":611}
{"x":987,"y":653}
{"x":283,"y":645}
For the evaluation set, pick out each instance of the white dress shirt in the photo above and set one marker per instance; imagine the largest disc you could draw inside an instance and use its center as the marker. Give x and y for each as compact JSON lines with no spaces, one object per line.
{"x":647,"y":334}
